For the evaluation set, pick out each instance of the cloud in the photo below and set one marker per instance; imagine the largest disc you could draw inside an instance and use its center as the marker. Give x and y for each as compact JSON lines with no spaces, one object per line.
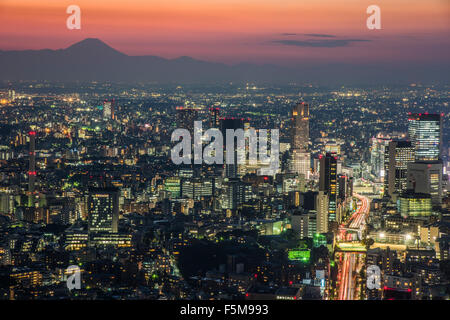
{"x":328,"y":43}
{"x":320,"y":35}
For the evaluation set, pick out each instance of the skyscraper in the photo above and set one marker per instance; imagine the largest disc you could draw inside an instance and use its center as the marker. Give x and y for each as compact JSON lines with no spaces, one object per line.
{"x":399,"y":154}
{"x":108,"y":109}
{"x":300,"y":156}
{"x":425,"y":133}
{"x":322,"y":217}
{"x":301,"y":163}
{"x":214,"y":120}
{"x":411,"y":204}
{"x":32,"y":163}
{"x":426,"y":177}
{"x":231,"y":170}
{"x":377,"y":152}
{"x":300,"y":126}
{"x":103,"y":210}
{"x":328,"y":182}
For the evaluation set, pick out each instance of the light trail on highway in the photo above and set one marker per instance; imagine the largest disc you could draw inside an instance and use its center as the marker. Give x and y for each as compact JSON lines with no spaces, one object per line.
{"x":350,"y":262}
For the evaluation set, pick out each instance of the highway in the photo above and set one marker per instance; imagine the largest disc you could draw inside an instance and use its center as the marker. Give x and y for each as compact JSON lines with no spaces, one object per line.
{"x":345,"y":289}
{"x":350,"y":263}
{"x":358,"y":219}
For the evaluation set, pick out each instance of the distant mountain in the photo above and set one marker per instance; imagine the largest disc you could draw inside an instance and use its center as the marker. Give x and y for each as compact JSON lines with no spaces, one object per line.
{"x":92,"y":59}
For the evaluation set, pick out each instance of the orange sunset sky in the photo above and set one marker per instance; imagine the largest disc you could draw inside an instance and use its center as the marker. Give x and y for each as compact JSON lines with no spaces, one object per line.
{"x":232,"y":31}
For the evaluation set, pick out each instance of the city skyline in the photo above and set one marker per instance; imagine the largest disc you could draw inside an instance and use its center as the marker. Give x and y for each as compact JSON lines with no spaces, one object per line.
{"x":88,"y":185}
{"x":232,"y":158}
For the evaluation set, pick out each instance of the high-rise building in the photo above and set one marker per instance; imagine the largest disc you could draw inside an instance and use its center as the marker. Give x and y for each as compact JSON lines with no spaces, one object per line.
{"x":399,"y":154}
{"x":32,"y":163}
{"x":300,"y":126}
{"x":328,"y":182}
{"x":103,"y":210}
{"x":233,"y":194}
{"x":108,"y":109}
{"x":301,"y":163}
{"x":411,"y":204}
{"x":304,"y":223}
{"x":426,"y":177}
{"x":214,"y":120}
{"x":425,"y":133}
{"x":377,"y":151}
{"x":173,"y":185}
{"x":300,"y":156}
{"x":343,"y":196}
{"x":322,"y":212}
{"x":231,"y":169}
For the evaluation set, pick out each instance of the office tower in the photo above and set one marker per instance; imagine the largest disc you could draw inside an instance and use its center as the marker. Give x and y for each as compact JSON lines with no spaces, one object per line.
{"x":304,"y":223}
{"x":202,"y":187}
{"x":343,"y":196}
{"x":187,"y":189}
{"x":214,"y":120}
{"x":342,"y":193}
{"x":301,"y":163}
{"x":231,"y":170}
{"x":377,"y":152}
{"x":108,"y":109}
{"x":197,"y":188}
{"x":426,"y":177}
{"x":328,"y":182}
{"x":322,"y":212}
{"x":173,"y":185}
{"x":399,"y":154}
{"x":300,"y":156}
{"x":6,"y":203}
{"x":425,"y":133}
{"x":32,"y":163}
{"x":233,"y":195}
{"x":411,"y":204}
{"x":308,"y":200}
{"x":103,"y":210}
{"x":185,"y":118}
{"x":300,"y":126}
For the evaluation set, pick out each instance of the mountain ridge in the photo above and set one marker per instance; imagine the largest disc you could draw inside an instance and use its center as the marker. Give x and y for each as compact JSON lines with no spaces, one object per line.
{"x":91,"y":59}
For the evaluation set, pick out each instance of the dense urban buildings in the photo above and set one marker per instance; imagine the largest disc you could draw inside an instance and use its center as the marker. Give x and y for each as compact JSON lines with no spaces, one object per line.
{"x":87,"y":181}
{"x":229,"y":158}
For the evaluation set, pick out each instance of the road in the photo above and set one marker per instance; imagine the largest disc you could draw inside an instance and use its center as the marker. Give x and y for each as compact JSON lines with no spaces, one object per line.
{"x":346,"y":275}
{"x":358,"y":219}
{"x":350,"y":263}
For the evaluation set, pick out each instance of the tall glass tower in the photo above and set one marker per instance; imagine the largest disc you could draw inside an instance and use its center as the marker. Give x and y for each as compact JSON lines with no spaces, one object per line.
{"x":301,"y":158}
{"x":300,"y":127}
{"x":328,"y":181}
{"x":425,"y":133}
